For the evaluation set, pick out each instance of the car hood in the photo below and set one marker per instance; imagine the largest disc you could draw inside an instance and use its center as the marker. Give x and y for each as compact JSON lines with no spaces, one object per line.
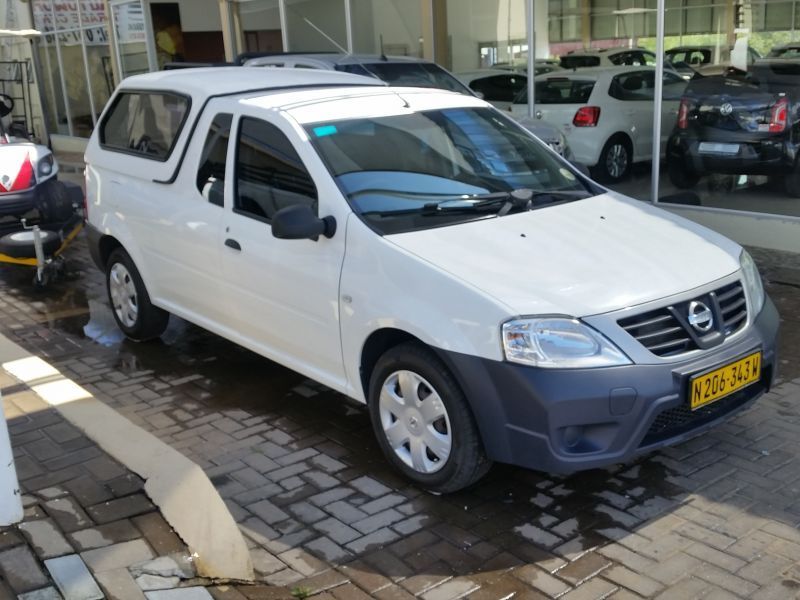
{"x":581,"y":258}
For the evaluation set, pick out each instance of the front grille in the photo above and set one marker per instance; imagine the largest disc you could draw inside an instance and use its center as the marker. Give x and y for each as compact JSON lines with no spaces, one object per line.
{"x":681,"y":419}
{"x":666,"y":332}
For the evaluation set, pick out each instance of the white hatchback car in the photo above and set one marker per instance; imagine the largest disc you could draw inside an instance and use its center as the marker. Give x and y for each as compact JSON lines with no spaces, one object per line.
{"x":420,"y":252}
{"x":606,"y":114}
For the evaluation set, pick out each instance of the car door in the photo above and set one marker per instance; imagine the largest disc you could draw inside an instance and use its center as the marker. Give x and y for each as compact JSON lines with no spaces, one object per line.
{"x":282,"y":296}
{"x":635,"y":94}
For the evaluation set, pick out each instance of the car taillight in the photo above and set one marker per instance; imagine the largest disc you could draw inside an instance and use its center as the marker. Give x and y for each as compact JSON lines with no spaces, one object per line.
{"x":587,"y":116}
{"x":779,"y":115}
{"x":683,"y":114}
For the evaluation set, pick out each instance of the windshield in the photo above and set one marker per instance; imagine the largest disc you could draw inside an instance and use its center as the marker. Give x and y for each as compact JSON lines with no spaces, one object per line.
{"x":400,"y":172}
{"x":410,"y":74}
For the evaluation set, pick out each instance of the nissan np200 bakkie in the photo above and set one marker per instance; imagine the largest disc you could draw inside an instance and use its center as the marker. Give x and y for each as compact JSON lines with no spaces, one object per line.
{"x":420,"y":252}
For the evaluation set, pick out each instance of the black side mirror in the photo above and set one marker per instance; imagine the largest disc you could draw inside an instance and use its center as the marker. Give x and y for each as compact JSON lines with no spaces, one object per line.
{"x":299,"y":222}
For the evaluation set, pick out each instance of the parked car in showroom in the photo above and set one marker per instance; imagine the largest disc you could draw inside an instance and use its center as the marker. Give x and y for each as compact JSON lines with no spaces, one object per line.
{"x":420,"y":252}
{"x":607,"y":57}
{"x":606,"y":114}
{"x":402,"y":71}
{"x":744,"y":124}
{"x":708,"y":61}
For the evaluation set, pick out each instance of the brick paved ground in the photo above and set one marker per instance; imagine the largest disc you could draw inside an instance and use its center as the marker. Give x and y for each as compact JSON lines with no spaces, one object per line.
{"x":85,"y":515}
{"x":716,"y":517}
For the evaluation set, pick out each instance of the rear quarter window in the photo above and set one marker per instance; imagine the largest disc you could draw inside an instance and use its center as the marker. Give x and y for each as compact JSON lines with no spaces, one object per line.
{"x":563,"y":91}
{"x":145,"y":124}
{"x":579,"y":62}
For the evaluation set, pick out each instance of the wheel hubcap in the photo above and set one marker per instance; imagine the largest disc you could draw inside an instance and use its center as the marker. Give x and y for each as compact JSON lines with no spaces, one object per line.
{"x":123,"y":295}
{"x":617,"y":160}
{"x":415,"y":422}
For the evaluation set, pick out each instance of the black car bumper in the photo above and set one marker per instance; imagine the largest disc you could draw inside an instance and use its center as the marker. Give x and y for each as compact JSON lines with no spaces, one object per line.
{"x":771,"y":156}
{"x":568,"y":420}
{"x":16,"y":204}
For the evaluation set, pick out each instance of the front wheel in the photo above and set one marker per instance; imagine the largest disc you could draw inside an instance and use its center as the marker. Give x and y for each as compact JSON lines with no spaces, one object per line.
{"x":135,"y":315}
{"x":423,"y":422}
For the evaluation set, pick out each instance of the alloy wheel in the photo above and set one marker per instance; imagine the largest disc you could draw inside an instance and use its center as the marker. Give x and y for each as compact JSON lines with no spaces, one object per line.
{"x":123,"y":295}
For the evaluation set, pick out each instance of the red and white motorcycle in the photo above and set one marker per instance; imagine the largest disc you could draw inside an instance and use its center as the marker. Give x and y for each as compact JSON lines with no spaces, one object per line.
{"x":39,"y":215}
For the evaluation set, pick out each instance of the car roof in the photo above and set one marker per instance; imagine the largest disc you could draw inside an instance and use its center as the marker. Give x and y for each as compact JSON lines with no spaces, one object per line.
{"x":220,"y":81}
{"x":333,"y":58}
{"x":599,"y":51}
{"x":594,"y":72}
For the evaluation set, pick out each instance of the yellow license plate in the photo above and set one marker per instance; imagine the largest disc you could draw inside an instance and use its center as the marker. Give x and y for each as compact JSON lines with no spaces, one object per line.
{"x":725,"y":380}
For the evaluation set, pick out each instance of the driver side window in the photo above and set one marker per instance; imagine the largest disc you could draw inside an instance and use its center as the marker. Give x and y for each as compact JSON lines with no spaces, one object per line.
{"x":269,"y":173}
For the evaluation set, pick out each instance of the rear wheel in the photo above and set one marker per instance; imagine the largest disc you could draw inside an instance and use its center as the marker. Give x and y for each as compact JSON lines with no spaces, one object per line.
{"x":615,"y":161}
{"x":423,"y":422}
{"x":680,"y":175}
{"x":135,"y":315}
{"x":792,"y":182}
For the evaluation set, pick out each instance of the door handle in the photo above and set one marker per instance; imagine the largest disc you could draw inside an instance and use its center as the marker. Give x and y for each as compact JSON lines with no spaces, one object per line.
{"x":233,"y":244}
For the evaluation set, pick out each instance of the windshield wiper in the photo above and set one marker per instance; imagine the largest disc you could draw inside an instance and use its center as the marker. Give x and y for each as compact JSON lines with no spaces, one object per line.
{"x":519,"y":199}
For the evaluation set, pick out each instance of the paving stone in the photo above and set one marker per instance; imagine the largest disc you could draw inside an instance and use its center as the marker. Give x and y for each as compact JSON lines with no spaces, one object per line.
{"x":9,"y":539}
{"x":163,"y":566}
{"x":48,"y":593}
{"x":158,"y":533}
{"x":265,"y":563}
{"x":21,"y":570}
{"x":116,"y":556}
{"x":73,"y":578}
{"x":156,"y":582}
{"x":104,"y":535}
{"x":120,"y":508}
{"x":267,"y":511}
{"x":46,"y":539}
{"x":68,"y":514}
{"x":187,"y":593}
{"x":119,"y":585}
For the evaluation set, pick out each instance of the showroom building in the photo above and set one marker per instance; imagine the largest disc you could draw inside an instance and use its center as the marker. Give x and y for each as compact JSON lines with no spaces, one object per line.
{"x":87,"y":46}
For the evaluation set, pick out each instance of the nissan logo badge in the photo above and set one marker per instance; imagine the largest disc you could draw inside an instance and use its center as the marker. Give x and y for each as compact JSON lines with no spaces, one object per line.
{"x":700,"y":316}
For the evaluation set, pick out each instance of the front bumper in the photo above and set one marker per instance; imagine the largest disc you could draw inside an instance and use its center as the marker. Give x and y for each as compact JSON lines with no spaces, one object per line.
{"x":566,"y":420}
{"x":16,"y":204}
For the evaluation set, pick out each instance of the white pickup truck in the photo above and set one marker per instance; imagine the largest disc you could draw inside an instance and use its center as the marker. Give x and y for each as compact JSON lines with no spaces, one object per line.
{"x":420,"y":252}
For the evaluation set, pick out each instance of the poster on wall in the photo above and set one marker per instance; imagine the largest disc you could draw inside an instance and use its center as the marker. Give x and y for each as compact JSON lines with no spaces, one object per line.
{"x":63,"y":16}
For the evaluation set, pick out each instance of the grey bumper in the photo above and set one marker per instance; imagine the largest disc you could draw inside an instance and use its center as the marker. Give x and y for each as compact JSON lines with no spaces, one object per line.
{"x":561,"y":421}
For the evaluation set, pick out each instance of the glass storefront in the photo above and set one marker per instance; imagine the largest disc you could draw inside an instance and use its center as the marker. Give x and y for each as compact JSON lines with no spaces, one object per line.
{"x":727,"y":106}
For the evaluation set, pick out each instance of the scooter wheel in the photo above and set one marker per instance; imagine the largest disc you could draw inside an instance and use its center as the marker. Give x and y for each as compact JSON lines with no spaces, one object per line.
{"x":20,"y":243}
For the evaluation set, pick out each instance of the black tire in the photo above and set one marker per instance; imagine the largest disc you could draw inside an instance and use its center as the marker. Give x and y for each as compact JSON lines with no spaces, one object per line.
{"x":20,"y":243}
{"x":130,"y":303}
{"x":792,"y":182}
{"x":607,"y":170}
{"x":54,"y":203}
{"x":681,"y":176}
{"x":466,"y":462}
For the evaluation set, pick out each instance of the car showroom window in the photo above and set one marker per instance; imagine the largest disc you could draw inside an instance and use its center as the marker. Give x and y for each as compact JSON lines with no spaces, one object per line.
{"x":211,"y":172}
{"x":144,"y":123}
{"x":269,"y":173}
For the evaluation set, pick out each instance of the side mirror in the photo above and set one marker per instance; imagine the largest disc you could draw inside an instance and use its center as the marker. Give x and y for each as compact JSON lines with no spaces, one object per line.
{"x":299,"y":222}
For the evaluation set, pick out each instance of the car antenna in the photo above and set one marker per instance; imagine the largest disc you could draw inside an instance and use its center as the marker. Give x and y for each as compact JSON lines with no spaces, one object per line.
{"x":383,"y":54}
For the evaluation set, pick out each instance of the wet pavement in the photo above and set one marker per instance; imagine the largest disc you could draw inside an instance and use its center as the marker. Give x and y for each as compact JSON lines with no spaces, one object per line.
{"x":324,"y":513}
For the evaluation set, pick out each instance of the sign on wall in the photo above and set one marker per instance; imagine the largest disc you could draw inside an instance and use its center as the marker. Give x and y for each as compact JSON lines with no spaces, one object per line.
{"x":63,"y":17}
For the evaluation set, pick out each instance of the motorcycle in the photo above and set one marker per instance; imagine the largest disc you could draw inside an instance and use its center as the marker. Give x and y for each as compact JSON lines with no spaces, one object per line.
{"x":39,"y":215}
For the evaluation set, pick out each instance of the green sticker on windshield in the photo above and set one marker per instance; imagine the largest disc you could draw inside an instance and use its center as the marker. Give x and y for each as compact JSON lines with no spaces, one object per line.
{"x":324,"y":130}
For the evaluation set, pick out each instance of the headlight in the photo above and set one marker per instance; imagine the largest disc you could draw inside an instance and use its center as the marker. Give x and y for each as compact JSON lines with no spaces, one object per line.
{"x":45,"y":165}
{"x":754,"y":288}
{"x":559,"y":343}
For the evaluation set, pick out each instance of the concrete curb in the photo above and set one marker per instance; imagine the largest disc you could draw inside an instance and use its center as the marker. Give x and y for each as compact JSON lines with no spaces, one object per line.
{"x":180,"y":489}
